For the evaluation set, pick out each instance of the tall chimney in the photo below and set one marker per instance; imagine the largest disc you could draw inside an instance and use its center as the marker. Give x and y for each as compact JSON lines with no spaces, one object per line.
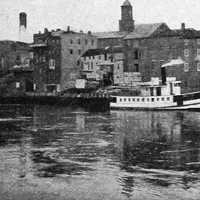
{"x":23,"y":34}
{"x":163,"y":75}
{"x":183,"y":26}
{"x":23,"y":19}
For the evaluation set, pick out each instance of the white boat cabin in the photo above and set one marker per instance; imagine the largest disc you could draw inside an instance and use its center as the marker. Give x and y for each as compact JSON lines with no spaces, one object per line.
{"x":151,"y":94}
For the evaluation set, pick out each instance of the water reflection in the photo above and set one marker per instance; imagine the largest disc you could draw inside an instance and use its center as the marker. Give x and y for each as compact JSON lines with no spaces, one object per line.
{"x":135,"y":151}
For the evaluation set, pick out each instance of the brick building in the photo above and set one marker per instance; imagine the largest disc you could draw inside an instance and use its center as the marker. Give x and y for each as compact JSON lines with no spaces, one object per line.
{"x":57,"y":58}
{"x":151,"y":45}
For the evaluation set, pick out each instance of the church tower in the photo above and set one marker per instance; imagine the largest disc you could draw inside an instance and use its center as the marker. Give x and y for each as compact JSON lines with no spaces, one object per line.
{"x":126,"y":23}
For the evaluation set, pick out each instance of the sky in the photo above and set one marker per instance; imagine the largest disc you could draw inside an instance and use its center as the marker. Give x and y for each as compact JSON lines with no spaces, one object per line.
{"x":94,"y":15}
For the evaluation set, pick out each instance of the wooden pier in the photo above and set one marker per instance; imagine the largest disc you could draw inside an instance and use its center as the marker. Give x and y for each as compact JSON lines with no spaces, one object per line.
{"x":98,"y":102}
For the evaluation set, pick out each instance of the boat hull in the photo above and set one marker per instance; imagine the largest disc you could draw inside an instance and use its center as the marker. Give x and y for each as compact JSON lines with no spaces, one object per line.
{"x":167,"y":104}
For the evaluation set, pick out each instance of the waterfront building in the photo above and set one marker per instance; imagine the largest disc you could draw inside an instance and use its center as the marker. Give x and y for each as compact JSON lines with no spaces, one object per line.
{"x":57,"y":58}
{"x":12,"y":53}
{"x":103,"y":65}
{"x":151,"y":45}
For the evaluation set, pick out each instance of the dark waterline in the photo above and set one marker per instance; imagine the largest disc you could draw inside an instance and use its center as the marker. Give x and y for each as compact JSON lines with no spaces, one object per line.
{"x":49,"y":152}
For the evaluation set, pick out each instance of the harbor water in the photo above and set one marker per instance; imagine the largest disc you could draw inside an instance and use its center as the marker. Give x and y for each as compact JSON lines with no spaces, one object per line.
{"x":51,"y":152}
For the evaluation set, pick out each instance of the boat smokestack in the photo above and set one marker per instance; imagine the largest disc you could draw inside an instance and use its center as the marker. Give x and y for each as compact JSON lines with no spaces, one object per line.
{"x":163,"y":75}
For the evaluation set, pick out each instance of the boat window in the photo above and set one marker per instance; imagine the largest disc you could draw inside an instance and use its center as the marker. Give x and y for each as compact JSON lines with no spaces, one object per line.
{"x":143,"y":99}
{"x":138,"y":100}
{"x":120,"y":100}
{"x":114,"y":100}
{"x":148,"y":99}
{"x":152,"y":99}
{"x":158,"y":91}
{"x":129,"y":99}
{"x":163,"y":99}
{"x":124,"y":99}
{"x":168,"y":99}
{"x":133,"y":99}
{"x":158,"y":99}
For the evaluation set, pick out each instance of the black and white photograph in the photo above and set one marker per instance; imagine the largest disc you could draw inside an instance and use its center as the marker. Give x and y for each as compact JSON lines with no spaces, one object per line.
{"x":99,"y":100}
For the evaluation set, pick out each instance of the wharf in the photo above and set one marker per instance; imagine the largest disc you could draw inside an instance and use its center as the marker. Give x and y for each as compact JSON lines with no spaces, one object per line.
{"x":89,"y":101}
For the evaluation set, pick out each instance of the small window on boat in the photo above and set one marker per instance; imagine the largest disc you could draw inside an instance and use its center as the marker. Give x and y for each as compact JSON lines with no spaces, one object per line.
{"x":148,"y":99}
{"x":129,"y":99}
{"x":152,"y":99}
{"x":124,"y":99}
{"x":138,"y":100}
{"x":120,"y":100}
{"x":133,"y":99}
{"x":158,"y":99}
{"x":143,"y":99}
{"x":168,"y":99}
{"x":163,"y":99}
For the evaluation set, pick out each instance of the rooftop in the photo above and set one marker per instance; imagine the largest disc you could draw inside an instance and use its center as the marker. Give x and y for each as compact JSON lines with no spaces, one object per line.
{"x":144,"y":30}
{"x":126,"y":3}
{"x":111,"y":34}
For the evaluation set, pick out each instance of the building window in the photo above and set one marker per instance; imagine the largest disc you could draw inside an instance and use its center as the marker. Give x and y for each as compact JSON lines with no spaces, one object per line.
{"x":71,"y":51}
{"x":92,"y":42}
{"x":52,"y":64}
{"x":136,"y":54}
{"x":71,"y":41}
{"x":186,"y":67}
{"x":99,"y":57}
{"x":136,"y":67}
{"x":105,"y":55}
{"x":129,"y":43}
{"x":86,"y":42}
{"x":78,"y":62}
{"x":186,"y":42}
{"x":198,"y":41}
{"x":79,"y":52}
{"x":198,"y":66}
{"x":186,"y":53}
{"x":198,"y":52}
{"x":17,"y":84}
{"x":91,"y":65}
{"x":43,"y":59}
{"x":79,"y":41}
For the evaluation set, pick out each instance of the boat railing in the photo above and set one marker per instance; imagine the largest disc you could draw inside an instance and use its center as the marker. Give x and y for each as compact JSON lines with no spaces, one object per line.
{"x":187,"y":96}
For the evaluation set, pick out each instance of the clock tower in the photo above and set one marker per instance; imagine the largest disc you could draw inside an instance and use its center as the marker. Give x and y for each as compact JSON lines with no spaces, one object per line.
{"x":126,"y":23}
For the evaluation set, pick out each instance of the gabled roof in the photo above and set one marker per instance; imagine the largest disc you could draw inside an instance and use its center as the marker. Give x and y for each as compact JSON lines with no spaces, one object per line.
{"x":187,"y":33}
{"x":144,"y":30}
{"x":112,"y":34}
